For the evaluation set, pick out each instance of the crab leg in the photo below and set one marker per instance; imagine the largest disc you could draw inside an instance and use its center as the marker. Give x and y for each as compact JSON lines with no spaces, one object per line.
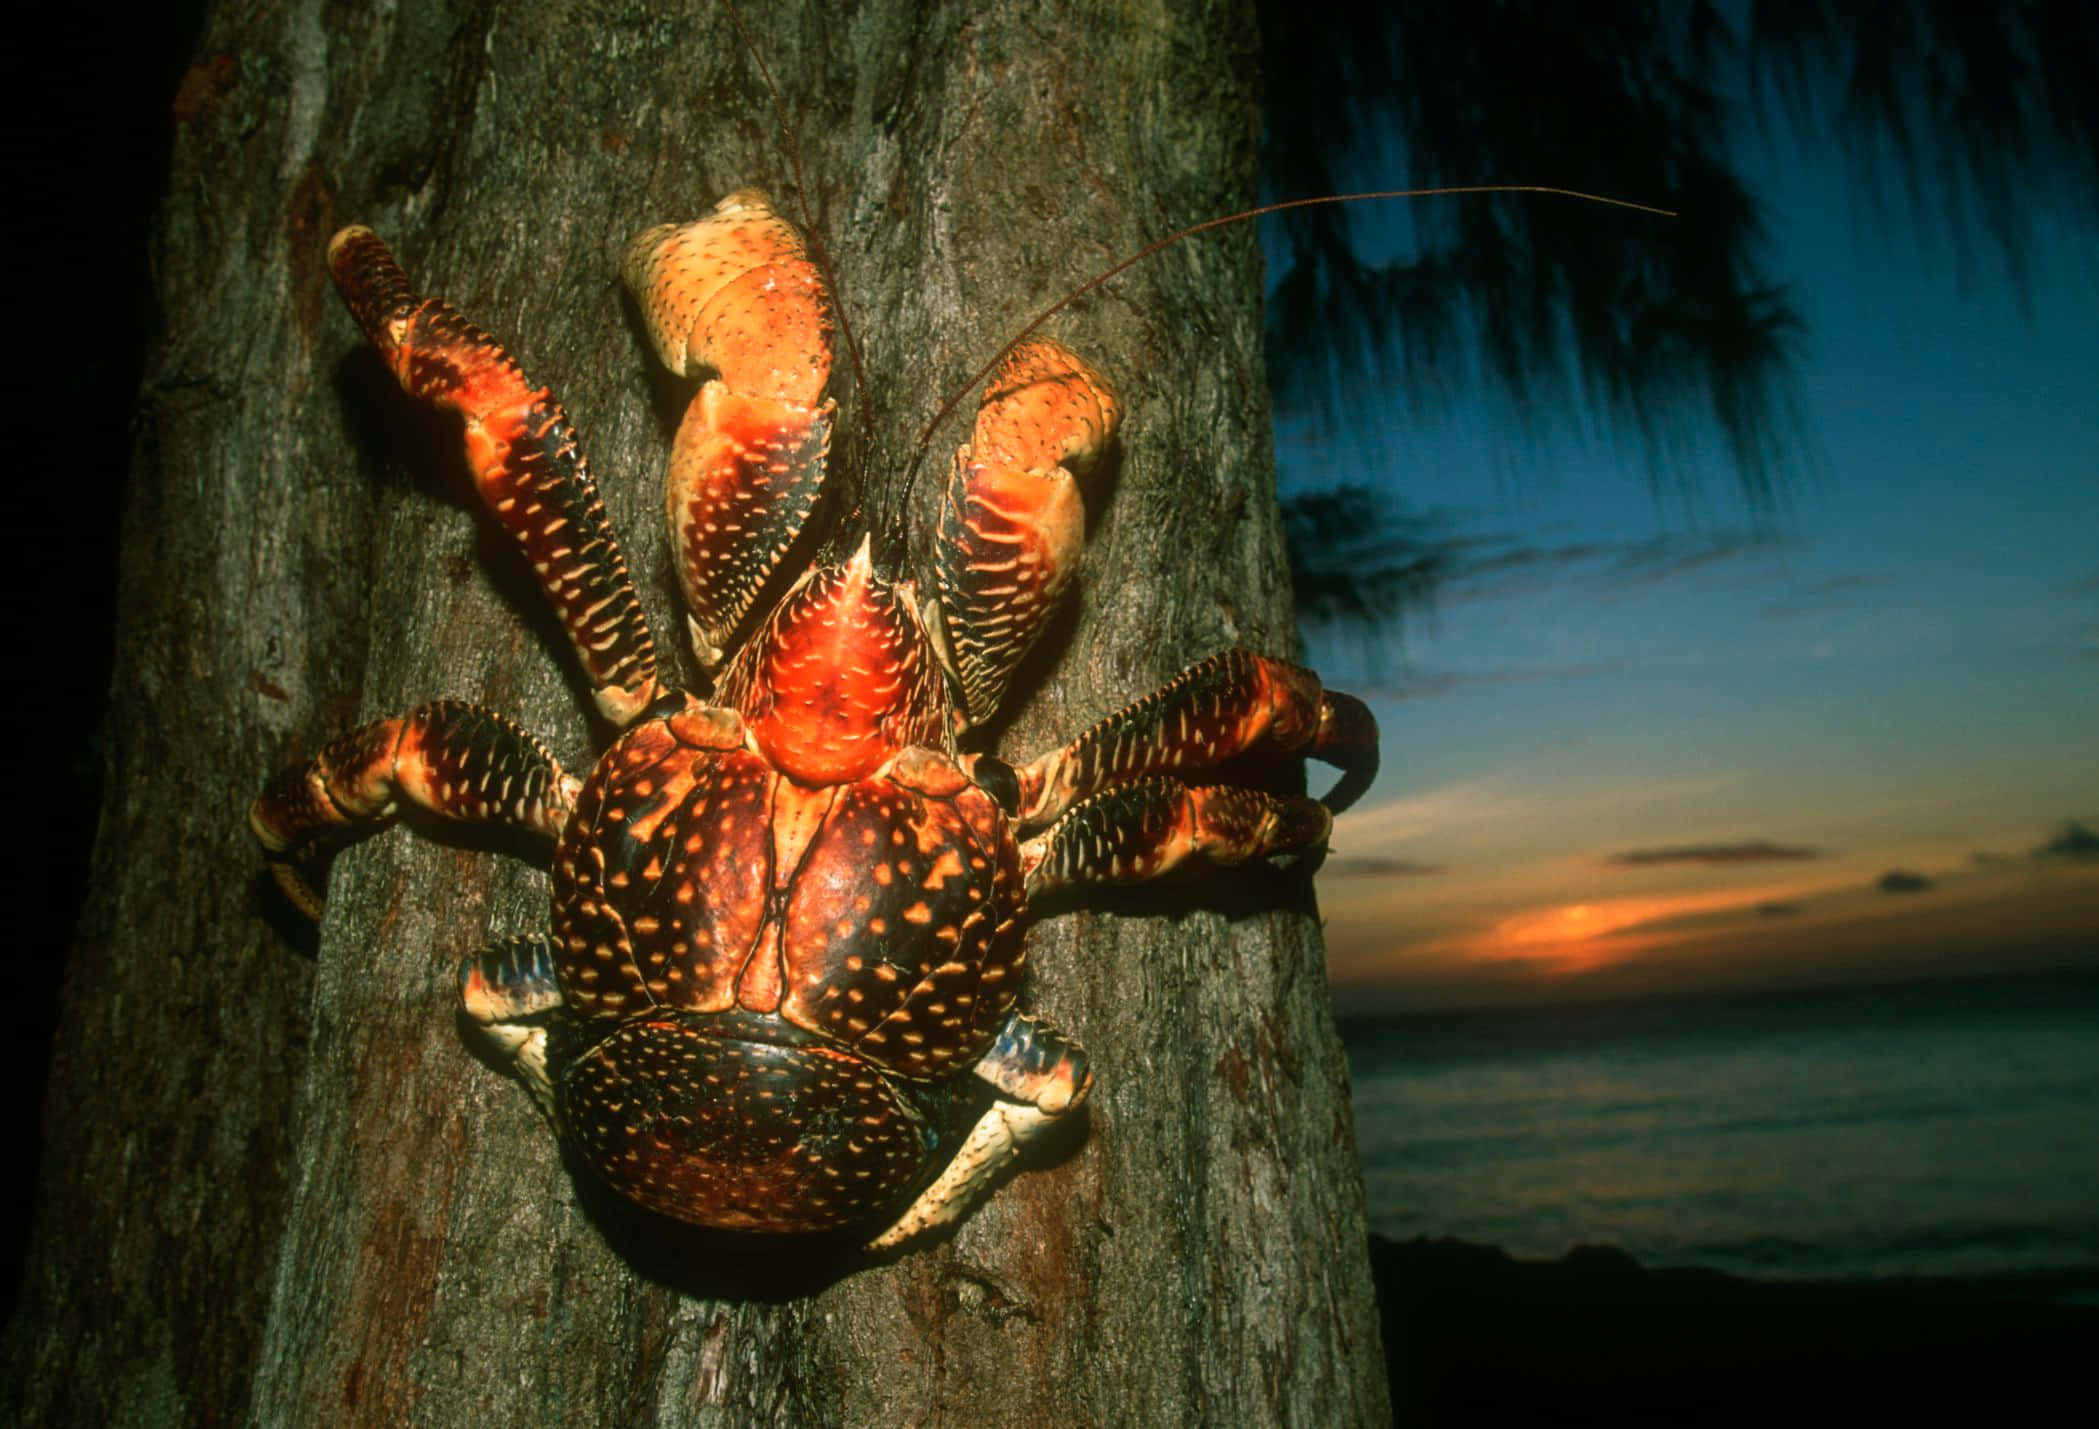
{"x":735,"y":292}
{"x":1234,"y":703}
{"x":1013,"y":519}
{"x":1041,"y":1076}
{"x":455,"y":759}
{"x":527,"y":465}
{"x":501,"y":988}
{"x":1139,"y":831}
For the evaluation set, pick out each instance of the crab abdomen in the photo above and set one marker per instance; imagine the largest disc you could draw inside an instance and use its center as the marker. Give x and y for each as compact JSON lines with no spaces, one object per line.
{"x":682,"y":1115}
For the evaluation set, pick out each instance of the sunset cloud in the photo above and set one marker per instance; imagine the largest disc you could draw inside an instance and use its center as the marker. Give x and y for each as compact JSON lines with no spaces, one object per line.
{"x":1496,"y":564}
{"x":2075,"y":841}
{"x":1426,"y":684}
{"x":1745,"y":851}
{"x":1559,"y":926}
{"x":1819,"y":597}
{"x":1374,"y":867}
{"x":1495,"y":804}
{"x":1664,"y":557}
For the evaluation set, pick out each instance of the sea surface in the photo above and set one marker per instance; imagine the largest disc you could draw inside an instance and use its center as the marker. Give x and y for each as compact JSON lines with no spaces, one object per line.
{"x":1925,"y":1129}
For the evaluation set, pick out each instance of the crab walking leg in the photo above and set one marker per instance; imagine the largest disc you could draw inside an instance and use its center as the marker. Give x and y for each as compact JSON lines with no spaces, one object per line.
{"x":1234,"y":703}
{"x":735,"y":292}
{"x":1041,"y":1076}
{"x":1138,"y":831}
{"x":1013,"y":519}
{"x":501,"y":987}
{"x":459,"y":760}
{"x":527,"y":466}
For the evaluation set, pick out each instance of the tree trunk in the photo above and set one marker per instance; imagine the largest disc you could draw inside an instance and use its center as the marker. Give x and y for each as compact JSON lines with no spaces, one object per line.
{"x":280,"y":1188}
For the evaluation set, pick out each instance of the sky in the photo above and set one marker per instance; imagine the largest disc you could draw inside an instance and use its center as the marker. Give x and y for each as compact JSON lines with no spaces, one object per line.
{"x":1639,"y":748}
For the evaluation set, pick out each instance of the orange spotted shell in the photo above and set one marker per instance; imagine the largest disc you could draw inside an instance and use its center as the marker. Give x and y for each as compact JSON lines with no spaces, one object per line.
{"x":729,"y":940}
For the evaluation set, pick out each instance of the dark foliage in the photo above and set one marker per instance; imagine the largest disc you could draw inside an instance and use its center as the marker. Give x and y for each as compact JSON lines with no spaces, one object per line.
{"x":1351,"y":560}
{"x":1668,"y":332}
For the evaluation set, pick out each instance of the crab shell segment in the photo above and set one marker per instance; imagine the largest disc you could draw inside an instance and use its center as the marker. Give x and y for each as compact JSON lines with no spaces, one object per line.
{"x":752,"y":1134}
{"x":841,"y":679}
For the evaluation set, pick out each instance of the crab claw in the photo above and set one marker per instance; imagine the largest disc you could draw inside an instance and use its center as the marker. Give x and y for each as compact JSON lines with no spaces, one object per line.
{"x":735,"y":293}
{"x":1014,"y":519}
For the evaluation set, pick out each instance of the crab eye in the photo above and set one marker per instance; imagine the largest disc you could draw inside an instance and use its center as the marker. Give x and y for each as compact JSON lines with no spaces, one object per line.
{"x":996,"y":778}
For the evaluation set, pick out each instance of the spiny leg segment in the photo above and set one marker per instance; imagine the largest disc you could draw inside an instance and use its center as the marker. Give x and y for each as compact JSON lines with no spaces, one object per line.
{"x":528,"y":468}
{"x":1233,"y":703}
{"x":1136,"y":832}
{"x":502,"y":988}
{"x":1111,"y":805}
{"x":1041,"y":1075}
{"x":459,"y":760}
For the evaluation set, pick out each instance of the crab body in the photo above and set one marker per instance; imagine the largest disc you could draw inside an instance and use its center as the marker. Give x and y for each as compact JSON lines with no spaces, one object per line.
{"x":779,"y":988}
{"x":766,"y":977}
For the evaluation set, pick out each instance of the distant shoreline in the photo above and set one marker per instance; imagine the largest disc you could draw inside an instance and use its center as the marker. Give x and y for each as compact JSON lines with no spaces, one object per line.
{"x":1365,"y":1009}
{"x":1475,"y":1336}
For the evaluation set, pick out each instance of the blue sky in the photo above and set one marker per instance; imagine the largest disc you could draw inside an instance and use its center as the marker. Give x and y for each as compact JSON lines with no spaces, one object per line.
{"x":1901,"y":675}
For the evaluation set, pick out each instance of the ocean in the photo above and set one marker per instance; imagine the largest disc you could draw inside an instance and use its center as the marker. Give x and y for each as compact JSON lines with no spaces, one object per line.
{"x":1922,"y":1129}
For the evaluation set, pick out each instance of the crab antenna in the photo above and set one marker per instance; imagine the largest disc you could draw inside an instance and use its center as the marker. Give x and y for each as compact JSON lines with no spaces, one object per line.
{"x":925,"y":436}
{"x":809,"y":233}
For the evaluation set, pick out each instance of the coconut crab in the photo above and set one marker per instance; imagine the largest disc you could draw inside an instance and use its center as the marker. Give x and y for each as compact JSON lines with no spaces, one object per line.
{"x":787,"y":933}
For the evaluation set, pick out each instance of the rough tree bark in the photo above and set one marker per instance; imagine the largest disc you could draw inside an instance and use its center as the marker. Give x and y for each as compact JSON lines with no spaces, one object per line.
{"x":280,"y":1188}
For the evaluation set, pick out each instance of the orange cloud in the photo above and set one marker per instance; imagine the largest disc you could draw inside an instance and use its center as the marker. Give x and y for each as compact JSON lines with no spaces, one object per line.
{"x":1837,"y":927}
{"x":1583,"y":937}
{"x":1746,"y":851}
